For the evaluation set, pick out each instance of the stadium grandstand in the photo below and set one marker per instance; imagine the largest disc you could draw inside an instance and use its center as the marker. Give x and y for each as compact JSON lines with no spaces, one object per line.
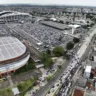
{"x":13,"y":54}
{"x":13,"y":16}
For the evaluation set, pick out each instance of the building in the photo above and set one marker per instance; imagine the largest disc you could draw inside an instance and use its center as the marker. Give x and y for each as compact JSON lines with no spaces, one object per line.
{"x":82,"y":92}
{"x":56,"y":25}
{"x":74,"y":27}
{"x":13,"y":54}
{"x":87,"y":71}
{"x":78,"y":92}
{"x":13,"y":16}
{"x":81,"y":82}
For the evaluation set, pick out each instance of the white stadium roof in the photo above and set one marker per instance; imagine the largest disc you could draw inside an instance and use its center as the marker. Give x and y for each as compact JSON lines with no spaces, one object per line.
{"x":10,"y":48}
{"x":12,"y":13}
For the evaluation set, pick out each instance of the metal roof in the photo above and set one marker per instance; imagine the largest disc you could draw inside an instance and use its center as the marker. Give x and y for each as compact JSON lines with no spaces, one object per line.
{"x":10,"y":48}
{"x":78,"y":92}
{"x":88,"y":69}
{"x":56,"y":25}
{"x":12,"y":13}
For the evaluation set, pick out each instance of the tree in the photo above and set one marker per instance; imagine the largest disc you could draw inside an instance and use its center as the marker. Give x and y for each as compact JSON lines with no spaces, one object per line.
{"x":87,"y":22}
{"x":61,"y":21}
{"x":48,"y":52}
{"x":59,"y":66}
{"x":94,"y":20}
{"x":67,"y":22}
{"x":76,"y":40}
{"x":91,"y":25}
{"x":69,"y":46}
{"x":48,"y":62}
{"x":46,"y":59}
{"x":43,"y":56}
{"x":67,"y":57}
{"x":58,"y":51}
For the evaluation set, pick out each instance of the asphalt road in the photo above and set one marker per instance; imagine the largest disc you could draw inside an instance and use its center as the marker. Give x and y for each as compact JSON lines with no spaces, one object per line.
{"x":44,"y":90}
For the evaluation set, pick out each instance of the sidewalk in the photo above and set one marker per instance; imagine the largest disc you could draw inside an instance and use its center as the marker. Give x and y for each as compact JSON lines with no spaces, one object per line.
{"x":10,"y":80}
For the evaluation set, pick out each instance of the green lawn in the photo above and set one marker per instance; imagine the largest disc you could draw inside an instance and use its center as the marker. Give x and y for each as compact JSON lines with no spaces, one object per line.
{"x":26,"y":84}
{"x":6,"y":92}
{"x":30,"y":66}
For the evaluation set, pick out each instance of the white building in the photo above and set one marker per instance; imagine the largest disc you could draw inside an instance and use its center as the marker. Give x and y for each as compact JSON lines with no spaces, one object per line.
{"x":87,"y":71}
{"x":74,"y":27}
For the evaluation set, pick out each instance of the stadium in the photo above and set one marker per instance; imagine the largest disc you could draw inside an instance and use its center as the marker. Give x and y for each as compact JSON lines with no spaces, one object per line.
{"x":13,"y":54}
{"x":13,"y":16}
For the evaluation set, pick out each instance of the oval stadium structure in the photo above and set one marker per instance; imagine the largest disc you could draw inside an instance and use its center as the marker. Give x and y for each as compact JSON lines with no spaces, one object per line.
{"x":13,"y":54}
{"x":13,"y":16}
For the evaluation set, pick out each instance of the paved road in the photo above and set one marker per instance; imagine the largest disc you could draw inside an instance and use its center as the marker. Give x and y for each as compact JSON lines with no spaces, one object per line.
{"x":10,"y":80}
{"x":43,"y":90}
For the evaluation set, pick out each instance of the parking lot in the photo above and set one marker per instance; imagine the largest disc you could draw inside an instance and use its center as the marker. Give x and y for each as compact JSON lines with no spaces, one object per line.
{"x":41,"y":36}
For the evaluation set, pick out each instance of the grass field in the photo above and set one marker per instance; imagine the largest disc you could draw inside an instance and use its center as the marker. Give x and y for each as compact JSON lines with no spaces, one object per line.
{"x":26,"y":84}
{"x":6,"y":92}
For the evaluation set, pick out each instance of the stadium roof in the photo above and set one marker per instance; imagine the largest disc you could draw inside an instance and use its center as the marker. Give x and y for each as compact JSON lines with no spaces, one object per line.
{"x":10,"y":48}
{"x":11,"y":13}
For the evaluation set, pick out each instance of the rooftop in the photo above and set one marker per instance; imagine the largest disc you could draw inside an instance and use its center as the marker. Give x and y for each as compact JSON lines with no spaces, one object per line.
{"x":90,"y":93}
{"x":78,"y":92}
{"x":81,"y":81}
{"x":56,"y":25}
{"x":9,"y":13}
{"x":74,"y":26}
{"x":15,"y":91}
{"x":10,"y":48}
{"x":88,"y":69}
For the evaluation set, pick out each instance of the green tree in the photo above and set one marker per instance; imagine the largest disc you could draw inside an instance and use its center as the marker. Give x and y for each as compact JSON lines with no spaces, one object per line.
{"x":46,"y":59}
{"x":67,"y":57}
{"x":43,"y":56}
{"x":58,"y":51}
{"x":48,"y":52}
{"x":87,"y":22}
{"x":69,"y":46}
{"x":91,"y":25}
{"x":48,"y":62}
{"x":59,"y":66}
{"x":76,"y":40}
